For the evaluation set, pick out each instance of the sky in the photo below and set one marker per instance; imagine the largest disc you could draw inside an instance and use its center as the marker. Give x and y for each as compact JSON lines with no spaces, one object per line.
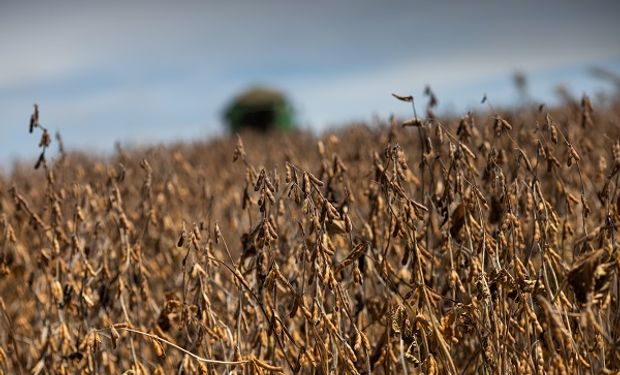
{"x":143,"y":72}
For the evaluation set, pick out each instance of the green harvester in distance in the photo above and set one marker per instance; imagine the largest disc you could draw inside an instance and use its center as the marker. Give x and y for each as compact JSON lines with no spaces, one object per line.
{"x":260,"y":108}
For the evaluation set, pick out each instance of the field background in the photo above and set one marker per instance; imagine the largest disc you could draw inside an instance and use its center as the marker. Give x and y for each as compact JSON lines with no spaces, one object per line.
{"x":485,"y":243}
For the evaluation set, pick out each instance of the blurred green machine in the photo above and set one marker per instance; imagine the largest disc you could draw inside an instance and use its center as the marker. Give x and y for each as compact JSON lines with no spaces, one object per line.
{"x":259,"y":108}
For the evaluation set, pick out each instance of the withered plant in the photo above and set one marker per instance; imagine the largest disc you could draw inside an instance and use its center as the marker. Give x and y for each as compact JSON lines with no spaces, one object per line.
{"x":485,"y":244}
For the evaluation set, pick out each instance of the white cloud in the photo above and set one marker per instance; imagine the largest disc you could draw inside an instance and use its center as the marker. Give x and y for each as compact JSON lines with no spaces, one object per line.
{"x":54,"y":40}
{"x":143,"y":65}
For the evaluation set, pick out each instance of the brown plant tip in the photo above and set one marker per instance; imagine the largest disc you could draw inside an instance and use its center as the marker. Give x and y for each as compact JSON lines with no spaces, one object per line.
{"x":34,"y":119}
{"x":45,"y":140}
{"x":403,"y":98}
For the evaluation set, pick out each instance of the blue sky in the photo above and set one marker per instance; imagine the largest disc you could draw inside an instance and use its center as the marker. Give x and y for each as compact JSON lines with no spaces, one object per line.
{"x":152,"y":71}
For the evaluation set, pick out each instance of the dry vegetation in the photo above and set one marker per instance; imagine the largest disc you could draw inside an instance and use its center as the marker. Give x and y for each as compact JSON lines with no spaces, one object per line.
{"x":485,"y":244}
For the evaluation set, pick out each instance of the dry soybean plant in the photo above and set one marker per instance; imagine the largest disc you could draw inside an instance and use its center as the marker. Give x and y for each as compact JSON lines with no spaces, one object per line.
{"x":481,"y":244}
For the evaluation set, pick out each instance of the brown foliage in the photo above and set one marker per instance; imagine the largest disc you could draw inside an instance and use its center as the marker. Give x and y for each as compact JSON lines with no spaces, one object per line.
{"x":485,"y":244}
